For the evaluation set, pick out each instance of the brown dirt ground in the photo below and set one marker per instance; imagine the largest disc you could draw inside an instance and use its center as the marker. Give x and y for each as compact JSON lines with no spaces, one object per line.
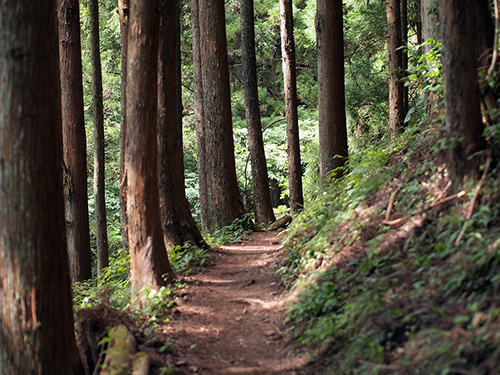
{"x":231,"y":318}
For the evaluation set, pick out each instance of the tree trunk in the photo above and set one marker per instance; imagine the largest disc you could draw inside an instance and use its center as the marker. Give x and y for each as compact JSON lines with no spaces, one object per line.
{"x":461,"y":92}
{"x":485,"y":41}
{"x":74,"y":141}
{"x":199,"y":113}
{"x":36,"y":335}
{"x":430,"y":20}
{"x":99,"y":169}
{"x":224,"y":203}
{"x":404,"y":43}
{"x":178,"y":224}
{"x":331,"y":96}
{"x":292,"y":118}
{"x":148,"y":256}
{"x":395,"y":55}
{"x":123,"y":9}
{"x":485,"y":31}
{"x":260,"y":180}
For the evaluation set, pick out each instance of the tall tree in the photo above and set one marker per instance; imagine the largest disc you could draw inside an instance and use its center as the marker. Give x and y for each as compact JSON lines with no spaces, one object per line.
{"x":199,"y":114}
{"x":123,"y":9}
{"x":74,"y":141}
{"x":99,"y":167}
{"x":148,"y":257}
{"x":36,"y":321}
{"x":178,"y":224}
{"x":487,"y":57}
{"x":331,"y":97}
{"x":461,"y":92}
{"x":292,"y":117}
{"x":395,"y":55}
{"x":429,"y":17}
{"x":404,"y":44}
{"x":224,"y":203}
{"x":260,"y":180}
{"x":485,"y":32}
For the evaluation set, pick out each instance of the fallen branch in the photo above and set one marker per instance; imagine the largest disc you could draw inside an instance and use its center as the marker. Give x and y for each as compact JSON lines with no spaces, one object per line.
{"x":445,"y":190}
{"x":468,"y":216}
{"x":391,"y":203}
{"x":420,"y":211}
{"x":448,"y":199}
{"x":396,"y":221}
{"x":281,"y":223}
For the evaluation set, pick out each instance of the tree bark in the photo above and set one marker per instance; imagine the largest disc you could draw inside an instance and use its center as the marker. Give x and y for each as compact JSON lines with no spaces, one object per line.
{"x":224,"y":203}
{"x":36,"y":335}
{"x":123,"y":10}
{"x":199,"y":113}
{"x":333,"y":147}
{"x":260,"y":180}
{"x":148,"y":256}
{"x":99,"y":167}
{"x":291,"y":113}
{"x":485,"y":32}
{"x":461,"y":93}
{"x":404,"y":43}
{"x":395,"y":55}
{"x":430,"y":20}
{"x":179,"y":227}
{"x":74,"y":141}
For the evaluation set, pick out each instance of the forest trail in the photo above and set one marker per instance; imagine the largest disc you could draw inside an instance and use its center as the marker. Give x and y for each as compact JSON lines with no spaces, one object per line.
{"x":230,"y":319}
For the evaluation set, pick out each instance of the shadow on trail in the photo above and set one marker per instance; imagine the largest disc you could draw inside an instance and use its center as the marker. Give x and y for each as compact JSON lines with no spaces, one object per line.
{"x":230,"y":319}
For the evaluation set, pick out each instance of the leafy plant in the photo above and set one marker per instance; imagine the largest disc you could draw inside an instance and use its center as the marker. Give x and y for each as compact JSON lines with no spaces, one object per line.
{"x":232,"y":233}
{"x":113,"y":287}
{"x":185,"y":259}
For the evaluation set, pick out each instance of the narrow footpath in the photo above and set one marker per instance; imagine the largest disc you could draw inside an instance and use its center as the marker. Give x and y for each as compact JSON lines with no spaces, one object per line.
{"x":230,"y":319}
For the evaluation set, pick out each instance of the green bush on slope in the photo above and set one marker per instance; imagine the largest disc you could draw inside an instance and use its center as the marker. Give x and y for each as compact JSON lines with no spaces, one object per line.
{"x":405,"y":298}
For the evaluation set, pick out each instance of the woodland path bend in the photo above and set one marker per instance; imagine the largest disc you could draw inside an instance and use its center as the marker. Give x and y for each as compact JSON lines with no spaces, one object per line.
{"x":230,"y":321}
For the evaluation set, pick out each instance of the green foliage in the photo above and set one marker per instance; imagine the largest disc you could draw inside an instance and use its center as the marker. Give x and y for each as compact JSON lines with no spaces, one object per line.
{"x":113,"y":288}
{"x":233,"y":233}
{"x":427,"y":78}
{"x":365,"y":71}
{"x":156,"y":304}
{"x":188,"y":258}
{"x":385,"y":301}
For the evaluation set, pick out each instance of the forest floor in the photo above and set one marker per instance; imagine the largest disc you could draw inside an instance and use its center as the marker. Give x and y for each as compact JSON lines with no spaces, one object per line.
{"x":230,"y":317}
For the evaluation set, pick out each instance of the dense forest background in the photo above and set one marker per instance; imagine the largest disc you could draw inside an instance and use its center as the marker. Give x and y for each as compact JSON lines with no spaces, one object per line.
{"x":366,"y":93}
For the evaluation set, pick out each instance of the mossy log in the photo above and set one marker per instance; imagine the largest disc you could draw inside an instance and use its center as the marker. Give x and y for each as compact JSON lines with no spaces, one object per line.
{"x":281,"y":223}
{"x":141,"y":364}
{"x":120,"y":351}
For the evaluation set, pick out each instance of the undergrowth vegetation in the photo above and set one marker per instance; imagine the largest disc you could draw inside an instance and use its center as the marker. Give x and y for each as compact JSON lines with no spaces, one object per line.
{"x":395,"y":271}
{"x":113,"y":289}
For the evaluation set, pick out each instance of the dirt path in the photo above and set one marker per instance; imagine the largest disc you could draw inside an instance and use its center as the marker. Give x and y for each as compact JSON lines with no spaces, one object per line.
{"x":231,"y":319}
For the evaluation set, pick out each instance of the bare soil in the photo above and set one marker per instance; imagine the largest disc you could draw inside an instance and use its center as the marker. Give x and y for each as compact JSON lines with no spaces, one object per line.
{"x":231,"y":318}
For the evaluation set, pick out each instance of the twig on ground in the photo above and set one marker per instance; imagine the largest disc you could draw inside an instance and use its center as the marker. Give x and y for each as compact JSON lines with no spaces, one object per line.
{"x":420,"y":211}
{"x":468,"y":216}
{"x":391,"y":203}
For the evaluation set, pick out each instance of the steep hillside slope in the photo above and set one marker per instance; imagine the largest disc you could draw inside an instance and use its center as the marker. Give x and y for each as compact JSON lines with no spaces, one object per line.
{"x":395,"y":270}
